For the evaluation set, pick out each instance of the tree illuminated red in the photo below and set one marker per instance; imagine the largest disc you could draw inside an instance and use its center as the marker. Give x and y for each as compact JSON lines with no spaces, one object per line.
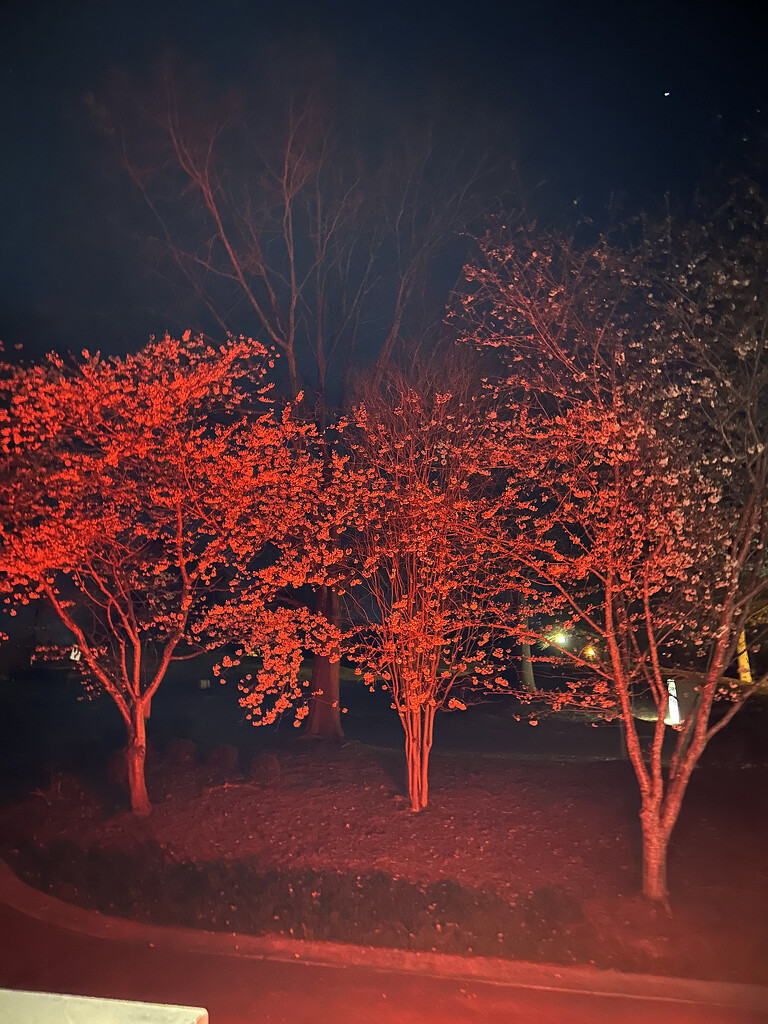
{"x":433,"y":581}
{"x":139,"y":497}
{"x":642,"y":372}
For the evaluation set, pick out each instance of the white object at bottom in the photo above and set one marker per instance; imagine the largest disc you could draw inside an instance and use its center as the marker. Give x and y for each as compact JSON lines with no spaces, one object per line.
{"x":52,"y":1008}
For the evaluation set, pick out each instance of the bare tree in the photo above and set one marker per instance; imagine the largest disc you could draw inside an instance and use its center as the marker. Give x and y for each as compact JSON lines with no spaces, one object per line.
{"x":284,"y":225}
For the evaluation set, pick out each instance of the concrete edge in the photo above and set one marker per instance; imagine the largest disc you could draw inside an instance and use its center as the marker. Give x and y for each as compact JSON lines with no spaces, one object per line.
{"x":23,"y":898}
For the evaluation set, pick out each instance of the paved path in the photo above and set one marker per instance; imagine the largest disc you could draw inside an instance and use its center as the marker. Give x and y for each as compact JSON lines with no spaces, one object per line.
{"x":47,"y":945}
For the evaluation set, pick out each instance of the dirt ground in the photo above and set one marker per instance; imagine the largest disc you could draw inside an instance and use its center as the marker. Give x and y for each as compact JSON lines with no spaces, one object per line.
{"x":561,"y":834}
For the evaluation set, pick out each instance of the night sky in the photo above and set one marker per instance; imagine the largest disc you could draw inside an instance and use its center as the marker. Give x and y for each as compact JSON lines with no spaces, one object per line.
{"x":625,"y":100}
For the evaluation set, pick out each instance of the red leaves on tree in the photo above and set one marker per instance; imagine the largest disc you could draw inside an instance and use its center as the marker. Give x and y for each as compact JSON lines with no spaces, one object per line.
{"x":643,"y":405}
{"x":139,"y":496}
{"x":428,"y":574}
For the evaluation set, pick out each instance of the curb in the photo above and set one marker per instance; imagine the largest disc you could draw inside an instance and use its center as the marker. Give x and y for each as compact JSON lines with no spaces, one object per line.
{"x":541,"y":977}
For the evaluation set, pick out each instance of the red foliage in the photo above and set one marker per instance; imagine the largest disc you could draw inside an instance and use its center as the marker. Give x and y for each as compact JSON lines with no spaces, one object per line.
{"x":137,"y":495}
{"x":646,"y":436}
{"x":427,"y":507}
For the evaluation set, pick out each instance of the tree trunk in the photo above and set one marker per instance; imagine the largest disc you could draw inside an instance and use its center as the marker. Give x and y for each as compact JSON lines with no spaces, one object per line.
{"x":526,"y":664}
{"x":655,"y":851}
{"x":135,"y":756}
{"x":526,"y":661}
{"x":419,"y":726}
{"x":324,"y":719}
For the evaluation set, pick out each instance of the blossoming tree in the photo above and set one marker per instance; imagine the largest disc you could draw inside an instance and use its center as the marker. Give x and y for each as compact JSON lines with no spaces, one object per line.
{"x":429,"y":581}
{"x":138,"y":494}
{"x":644,"y":371}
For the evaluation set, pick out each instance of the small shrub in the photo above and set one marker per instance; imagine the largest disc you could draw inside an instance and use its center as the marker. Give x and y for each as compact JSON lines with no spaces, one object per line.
{"x":342,"y":907}
{"x":265,"y":769}
{"x":222,"y":759}
{"x":179,"y":753}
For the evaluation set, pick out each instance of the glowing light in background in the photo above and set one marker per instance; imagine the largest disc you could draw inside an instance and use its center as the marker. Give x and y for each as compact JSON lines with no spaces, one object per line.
{"x":673,"y":708}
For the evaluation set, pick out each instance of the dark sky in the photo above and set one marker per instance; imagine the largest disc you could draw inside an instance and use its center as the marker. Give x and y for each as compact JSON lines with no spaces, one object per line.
{"x":634,"y":99}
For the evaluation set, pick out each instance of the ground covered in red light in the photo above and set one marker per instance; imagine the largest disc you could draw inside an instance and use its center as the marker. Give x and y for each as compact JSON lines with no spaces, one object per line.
{"x":524,"y":859}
